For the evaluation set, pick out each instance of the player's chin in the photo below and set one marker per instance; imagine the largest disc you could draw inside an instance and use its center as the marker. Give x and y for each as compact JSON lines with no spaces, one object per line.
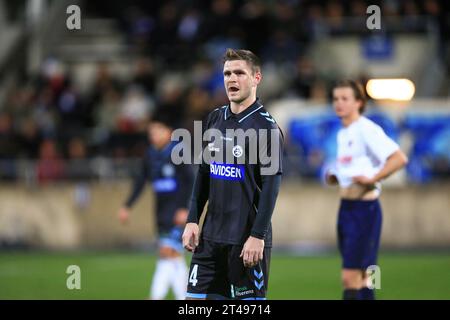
{"x":235,"y":98}
{"x":341,"y":113}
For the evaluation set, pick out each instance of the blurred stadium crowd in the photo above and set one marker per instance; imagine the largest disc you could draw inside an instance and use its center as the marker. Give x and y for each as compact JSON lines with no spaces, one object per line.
{"x":46,"y":117}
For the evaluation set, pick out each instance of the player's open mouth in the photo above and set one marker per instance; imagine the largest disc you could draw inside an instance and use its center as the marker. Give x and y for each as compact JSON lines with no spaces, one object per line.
{"x":233,"y":89}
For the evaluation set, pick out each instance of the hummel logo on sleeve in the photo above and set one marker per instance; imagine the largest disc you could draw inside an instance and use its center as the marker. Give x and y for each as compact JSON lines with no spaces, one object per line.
{"x":267,"y":116}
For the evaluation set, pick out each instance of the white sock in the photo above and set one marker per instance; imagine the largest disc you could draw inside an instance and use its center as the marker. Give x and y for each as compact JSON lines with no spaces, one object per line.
{"x":179,"y":277}
{"x":161,"y":279}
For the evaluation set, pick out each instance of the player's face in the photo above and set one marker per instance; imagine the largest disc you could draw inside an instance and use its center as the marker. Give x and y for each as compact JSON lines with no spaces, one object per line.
{"x":344,"y":102}
{"x":158,"y":134}
{"x":239,"y":80}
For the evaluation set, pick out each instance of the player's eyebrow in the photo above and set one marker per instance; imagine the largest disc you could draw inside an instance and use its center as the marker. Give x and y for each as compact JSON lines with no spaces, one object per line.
{"x":238,"y":71}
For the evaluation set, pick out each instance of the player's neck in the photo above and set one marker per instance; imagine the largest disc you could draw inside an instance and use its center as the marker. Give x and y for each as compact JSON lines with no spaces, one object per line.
{"x":348,"y":120}
{"x":162,"y":146}
{"x":238,"y":107}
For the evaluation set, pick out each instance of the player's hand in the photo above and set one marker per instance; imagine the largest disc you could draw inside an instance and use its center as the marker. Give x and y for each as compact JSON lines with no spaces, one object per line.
{"x":331,"y":179}
{"x":180,"y":217}
{"x":124,"y":215}
{"x":190,"y":236}
{"x":364,"y":180}
{"x":252,"y":252}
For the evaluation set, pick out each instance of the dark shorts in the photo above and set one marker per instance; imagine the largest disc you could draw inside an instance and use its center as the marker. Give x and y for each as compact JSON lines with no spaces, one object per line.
{"x":217,"y":270}
{"x":172,"y":239}
{"x":359,"y":230}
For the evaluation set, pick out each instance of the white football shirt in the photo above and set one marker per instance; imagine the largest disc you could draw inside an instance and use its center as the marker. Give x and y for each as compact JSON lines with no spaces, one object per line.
{"x":362,"y":149}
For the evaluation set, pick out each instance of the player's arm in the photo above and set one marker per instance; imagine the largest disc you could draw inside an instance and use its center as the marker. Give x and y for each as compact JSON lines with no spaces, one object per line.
{"x":253,"y":249}
{"x":394,"y":162}
{"x":386,"y":150}
{"x":185,"y":181}
{"x":138,"y":186}
{"x":200,"y":195}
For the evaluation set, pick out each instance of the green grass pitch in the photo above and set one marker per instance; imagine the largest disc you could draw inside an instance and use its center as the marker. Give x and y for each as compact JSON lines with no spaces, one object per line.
{"x":128,"y":275}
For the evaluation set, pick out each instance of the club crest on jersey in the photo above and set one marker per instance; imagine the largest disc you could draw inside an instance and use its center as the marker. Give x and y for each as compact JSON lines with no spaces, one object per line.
{"x":227,"y":171}
{"x":237,"y":151}
{"x":168,"y":170}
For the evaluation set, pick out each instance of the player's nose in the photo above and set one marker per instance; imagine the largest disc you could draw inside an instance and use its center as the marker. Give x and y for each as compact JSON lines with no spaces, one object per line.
{"x":232,"y":77}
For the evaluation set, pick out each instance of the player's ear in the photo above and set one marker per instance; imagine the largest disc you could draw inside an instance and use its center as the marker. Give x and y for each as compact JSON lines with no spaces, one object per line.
{"x":257,"y":78}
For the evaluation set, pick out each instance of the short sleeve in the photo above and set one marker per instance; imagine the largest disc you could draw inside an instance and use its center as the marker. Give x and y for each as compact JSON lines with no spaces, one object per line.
{"x":380,"y":144}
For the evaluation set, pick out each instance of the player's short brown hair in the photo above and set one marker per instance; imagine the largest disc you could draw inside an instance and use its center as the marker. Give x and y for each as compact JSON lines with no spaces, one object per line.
{"x":246,"y":55}
{"x":358,"y":91}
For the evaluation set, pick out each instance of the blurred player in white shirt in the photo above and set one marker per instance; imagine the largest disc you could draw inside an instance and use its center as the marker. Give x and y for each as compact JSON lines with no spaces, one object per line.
{"x":365,"y":156}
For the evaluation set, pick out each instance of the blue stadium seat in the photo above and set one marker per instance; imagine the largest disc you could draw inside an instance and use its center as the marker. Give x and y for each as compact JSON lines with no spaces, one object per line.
{"x":315,"y":137}
{"x":431,"y":135}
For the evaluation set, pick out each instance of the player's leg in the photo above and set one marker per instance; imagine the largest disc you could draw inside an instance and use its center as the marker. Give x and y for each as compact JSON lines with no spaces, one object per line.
{"x":373,"y":233}
{"x":366,"y":293}
{"x":172,"y":249}
{"x":248,"y":283}
{"x":352,"y":282}
{"x":351,"y":248}
{"x":207,"y":275}
{"x":359,"y":228}
{"x":161,"y":277}
{"x":179,"y":280}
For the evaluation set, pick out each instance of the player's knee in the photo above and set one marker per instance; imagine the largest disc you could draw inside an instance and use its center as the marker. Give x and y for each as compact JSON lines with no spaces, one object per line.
{"x":351,"y":279}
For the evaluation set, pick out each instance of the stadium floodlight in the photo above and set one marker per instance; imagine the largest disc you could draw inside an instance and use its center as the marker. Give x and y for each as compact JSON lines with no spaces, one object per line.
{"x":391,"y":89}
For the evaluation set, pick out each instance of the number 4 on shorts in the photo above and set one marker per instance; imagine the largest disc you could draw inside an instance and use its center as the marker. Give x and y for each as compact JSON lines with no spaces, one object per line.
{"x":193,"y":276}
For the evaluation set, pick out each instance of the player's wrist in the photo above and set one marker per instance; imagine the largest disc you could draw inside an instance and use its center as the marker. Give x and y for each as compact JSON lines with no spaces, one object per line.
{"x":257,"y":235}
{"x":376,"y":179}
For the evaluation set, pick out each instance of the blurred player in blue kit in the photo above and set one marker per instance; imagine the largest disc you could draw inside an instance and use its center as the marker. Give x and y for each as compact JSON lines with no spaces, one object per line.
{"x":172,"y":187}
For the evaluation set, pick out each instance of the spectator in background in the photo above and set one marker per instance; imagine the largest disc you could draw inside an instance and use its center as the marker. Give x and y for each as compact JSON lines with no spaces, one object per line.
{"x":104,"y":81}
{"x":256,"y":22}
{"x":171,"y":98}
{"x":219,"y":20}
{"x":144,"y":75}
{"x":50,"y":166}
{"x":77,"y":167}
{"x":71,"y":113}
{"x":18,"y":103}
{"x":106,"y":116}
{"x":198,"y":106}
{"x":281,"y":48}
{"x":52,"y":77}
{"x":390,"y":12}
{"x":411,"y":20}
{"x":284,"y":18}
{"x":358,"y":8}
{"x":305,"y":77}
{"x":164,"y":39}
{"x":30,"y":138}
{"x":140,"y":27}
{"x":314,"y":23}
{"x":189,"y":26}
{"x":8,"y":147}
{"x":335,"y":17}
{"x":8,"y":139}
{"x":44,"y":112}
{"x":438,"y":20}
{"x":135,"y":110}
